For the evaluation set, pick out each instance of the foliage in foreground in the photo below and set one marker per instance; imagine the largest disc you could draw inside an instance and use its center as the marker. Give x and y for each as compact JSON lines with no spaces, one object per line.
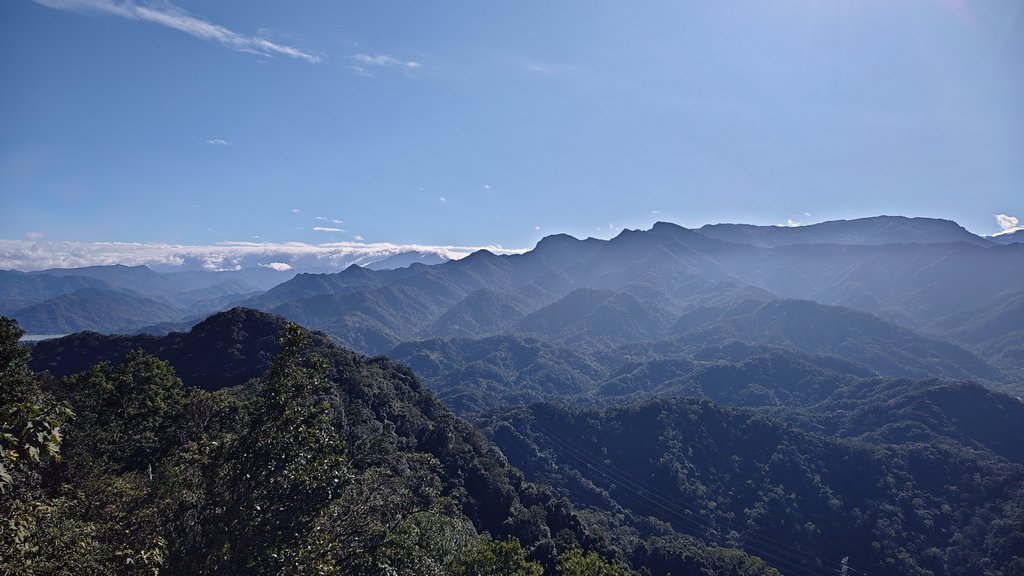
{"x":328,"y":464}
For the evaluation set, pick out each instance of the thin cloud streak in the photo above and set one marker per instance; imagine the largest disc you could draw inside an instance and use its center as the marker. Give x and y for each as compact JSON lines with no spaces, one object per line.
{"x":362,"y":63}
{"x":169,"y":15}
{"x":28,"y":255}
{"x":384,"y":60}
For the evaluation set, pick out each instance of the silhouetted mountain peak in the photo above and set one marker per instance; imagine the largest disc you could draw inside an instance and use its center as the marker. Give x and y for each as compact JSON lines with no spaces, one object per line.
{"x":556,"y":240}
{"x":481,"y":254}
{"x":355,"y":271}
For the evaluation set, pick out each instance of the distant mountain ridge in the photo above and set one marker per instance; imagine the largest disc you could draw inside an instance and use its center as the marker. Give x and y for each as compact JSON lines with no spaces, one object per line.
{"x":923,"y":274}
{"x":93,"y":309}
{"x":861,"y":231}
{"x":852,"y":398}
{"x":638,"y":285}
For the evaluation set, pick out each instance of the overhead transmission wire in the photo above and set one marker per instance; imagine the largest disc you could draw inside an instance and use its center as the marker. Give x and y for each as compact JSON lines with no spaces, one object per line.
{"x":636,"y":488}
{"x":640,"y":490}
{"x":778,"y":556}
{"x":637,"y":485}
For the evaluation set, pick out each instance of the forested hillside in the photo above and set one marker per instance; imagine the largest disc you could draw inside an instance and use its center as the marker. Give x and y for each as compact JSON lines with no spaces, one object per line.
{"x":904,"y":476}
{"x":328,"y":462}
{"x":801,"y":501}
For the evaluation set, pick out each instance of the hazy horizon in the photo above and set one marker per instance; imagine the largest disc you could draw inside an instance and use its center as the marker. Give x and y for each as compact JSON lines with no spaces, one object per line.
{"x":40,"y":254}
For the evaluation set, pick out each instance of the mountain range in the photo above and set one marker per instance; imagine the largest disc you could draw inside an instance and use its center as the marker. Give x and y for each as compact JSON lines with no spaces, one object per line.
{"x":912,"y":297}
{"x":797,"y":457}
{"x":728,"y":400}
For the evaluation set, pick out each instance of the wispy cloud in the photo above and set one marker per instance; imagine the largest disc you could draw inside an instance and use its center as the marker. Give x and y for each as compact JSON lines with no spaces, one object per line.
{"x":33,"y":235}
{"x":166,"y":14}
{"x":41,"y":254}
{"x":363,"y":63}
{"x":296,"y":210}
{"x":218,"y":142}
{"x":327,"y":229}
{"x":1007,"y":224}
{"x":442,"y":199}
{"x":790,"y":223}
{"x":331,"y":220}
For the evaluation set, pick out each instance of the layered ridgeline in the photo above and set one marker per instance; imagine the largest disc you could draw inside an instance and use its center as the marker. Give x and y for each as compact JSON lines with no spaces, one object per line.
{"x":122,"y":298}
{"x":937,"y":302}
{"x":828,"y":387}
{"x":315,"y":461}
{"x":127,"y":299}
{"x":904,"y":476}
{"x":924,"y":274}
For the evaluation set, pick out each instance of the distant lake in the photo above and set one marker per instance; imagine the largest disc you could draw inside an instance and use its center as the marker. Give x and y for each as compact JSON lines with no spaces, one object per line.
{"x":38,"y":337}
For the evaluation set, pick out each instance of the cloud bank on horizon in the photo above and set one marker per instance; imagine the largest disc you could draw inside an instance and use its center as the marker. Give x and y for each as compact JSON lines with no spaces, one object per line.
{"x":30,"y":255}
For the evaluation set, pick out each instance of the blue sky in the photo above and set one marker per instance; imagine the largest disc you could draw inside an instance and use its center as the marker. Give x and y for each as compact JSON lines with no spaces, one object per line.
{"x":484,"y":123}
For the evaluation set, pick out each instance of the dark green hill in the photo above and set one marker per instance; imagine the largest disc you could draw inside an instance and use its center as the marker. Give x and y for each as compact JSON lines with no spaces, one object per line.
{"x":406,"y":467}
{"x":471,"y":375}
{"x":226,"y":349}
{"x":886,"y":411}
{"x":801,"y":501}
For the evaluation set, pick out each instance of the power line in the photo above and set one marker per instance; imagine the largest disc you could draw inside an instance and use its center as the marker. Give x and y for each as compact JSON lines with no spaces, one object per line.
{"x":636,"y":488}
{"x":652,"y":495}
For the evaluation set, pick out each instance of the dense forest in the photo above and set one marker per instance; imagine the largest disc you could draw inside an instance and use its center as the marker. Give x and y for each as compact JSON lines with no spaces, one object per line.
{"x":328,"y":462}
{"x":276,"y":451}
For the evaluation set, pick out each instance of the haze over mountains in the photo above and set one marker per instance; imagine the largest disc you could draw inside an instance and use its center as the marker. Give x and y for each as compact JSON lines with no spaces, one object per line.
{"x":907,"y":476}
{"x":849,"y":389}
{"x":933,"y":299}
